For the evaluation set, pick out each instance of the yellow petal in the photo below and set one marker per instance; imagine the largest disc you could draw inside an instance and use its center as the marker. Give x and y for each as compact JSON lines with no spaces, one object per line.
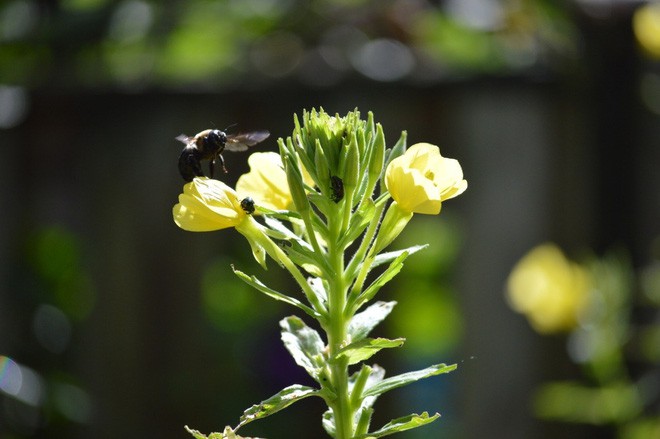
{"x":207,"y":205}
{"x":420,"y":179}
{"x":266,"y":182}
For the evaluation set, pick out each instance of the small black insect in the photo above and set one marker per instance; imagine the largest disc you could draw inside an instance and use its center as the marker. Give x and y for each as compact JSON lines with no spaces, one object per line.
{"x":247,"y":204}
{"x":209,"y":145}
{"x":337,"y":187}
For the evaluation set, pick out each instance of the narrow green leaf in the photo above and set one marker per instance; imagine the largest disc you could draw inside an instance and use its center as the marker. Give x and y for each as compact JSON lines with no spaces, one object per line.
{"x":360,"y":219}
{"x":258,"y":285}
{"x":277,"y":402}
{"x":304,"y":344}
{"x":398,"y":149}
{"x":385,"y":258}
{"x":363,"y":416}
{"x":323,"y":203}
{"x":402,"y":424}
{"x":286,"y":233}
{"x":367,"y":347}
{"x":407,"y":378}
{"x":362,"y":323}
{"x":356,"y":386}
{"x":286,"y":215}
{"x":381,"y":280}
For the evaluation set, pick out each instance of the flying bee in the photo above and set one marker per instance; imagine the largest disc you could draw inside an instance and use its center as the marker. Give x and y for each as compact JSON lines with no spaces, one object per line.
{"x":209,"y":145}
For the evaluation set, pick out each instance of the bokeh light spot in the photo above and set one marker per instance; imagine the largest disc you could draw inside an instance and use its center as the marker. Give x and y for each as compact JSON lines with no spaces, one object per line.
{"x":384,"y":60}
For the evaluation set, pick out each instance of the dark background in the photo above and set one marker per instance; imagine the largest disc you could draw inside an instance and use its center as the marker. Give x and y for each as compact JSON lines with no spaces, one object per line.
{"x":126,"y":326}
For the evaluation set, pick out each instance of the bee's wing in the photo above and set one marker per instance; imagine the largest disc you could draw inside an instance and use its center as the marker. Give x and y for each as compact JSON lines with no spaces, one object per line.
{"x":184,"y":139}
{"x":241,"y":142}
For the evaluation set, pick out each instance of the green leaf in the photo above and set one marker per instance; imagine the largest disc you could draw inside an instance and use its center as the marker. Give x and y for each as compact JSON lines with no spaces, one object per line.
{"x":229,"y":433}
{"x":385,"y":258}
{"x":319,"y":287}
{"x":303,"y":257}
{"x":328,"y":422}
{"x":304,"y":344}
{"x":199,"y":435}
{"x":258,"y":285}
{"x":398,"y":149}
{"x":279,"y":227}
{"x":367,"y":347}
{"x":394,"y":221}
{"x":325,"y":206}
{"x":407,"y":378}
{"x":362,"y":323}
{"x":381,"y":280}
{"x":359,"y":221}
{"x":402,"y":424}
{"x":356,"y":384}
{"x":277,"y":402}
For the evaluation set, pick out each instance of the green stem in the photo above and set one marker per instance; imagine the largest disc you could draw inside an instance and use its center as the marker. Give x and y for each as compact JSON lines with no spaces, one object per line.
{"x":337,"y":330}
{"x":252,"y":230}
{"x":359,"y":257}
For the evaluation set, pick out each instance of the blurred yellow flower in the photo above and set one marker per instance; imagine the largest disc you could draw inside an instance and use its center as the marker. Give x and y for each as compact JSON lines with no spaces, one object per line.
{"x":549,"y":289}
{"x":266,"y":182}
{"x":646,"y":25}
{"x":207,"y":205}
{"x":421,"y":179}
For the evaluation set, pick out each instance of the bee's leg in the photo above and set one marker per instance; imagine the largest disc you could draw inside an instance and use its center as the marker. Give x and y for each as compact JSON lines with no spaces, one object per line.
{"x":222,"y":163}
{"x":211,"y":165}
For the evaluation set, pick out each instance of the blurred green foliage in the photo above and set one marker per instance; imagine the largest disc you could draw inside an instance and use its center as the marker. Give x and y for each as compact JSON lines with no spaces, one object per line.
{"x":211,"y":44}
{"x":427,"y":304}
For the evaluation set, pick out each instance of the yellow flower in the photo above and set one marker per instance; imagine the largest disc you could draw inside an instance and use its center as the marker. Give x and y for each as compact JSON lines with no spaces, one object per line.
{"x":207,"y":205}
{"x":421,"y":179}
{"x":549,"y":289}
{"x":646,"y":25}
{"x":266,"y":182}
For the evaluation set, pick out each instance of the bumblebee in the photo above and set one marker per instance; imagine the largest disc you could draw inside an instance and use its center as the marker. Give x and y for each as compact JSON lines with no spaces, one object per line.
{"x":209,"y":145}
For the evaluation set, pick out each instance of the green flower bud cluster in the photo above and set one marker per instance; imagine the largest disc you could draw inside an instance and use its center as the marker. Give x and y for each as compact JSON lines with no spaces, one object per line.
{"x":343,"y":155}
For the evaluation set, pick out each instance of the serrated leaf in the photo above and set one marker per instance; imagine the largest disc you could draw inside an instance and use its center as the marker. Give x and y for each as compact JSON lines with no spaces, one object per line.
{"x":407,"y":378}
{"x":367,"y":347}
{"x":402,"y":424}
{"x":258,"y":285}
{"x":362,"y":323}
{"x":304,"y":344}
{"x":387,"y":257}
{"x":277,"y":402}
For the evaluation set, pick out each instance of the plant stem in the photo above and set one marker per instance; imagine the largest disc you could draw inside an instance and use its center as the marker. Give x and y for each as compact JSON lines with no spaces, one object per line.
{"x":337,"y":329}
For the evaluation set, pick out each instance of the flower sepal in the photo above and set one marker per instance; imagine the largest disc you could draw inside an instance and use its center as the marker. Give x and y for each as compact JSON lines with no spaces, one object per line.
{"x":393,"y":224}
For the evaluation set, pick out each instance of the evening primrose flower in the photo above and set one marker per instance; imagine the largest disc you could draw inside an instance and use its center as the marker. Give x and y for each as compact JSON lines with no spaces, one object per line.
{"x":421,"y":179}
{"x":206,"y":205}
{"x":266,"y":182}
{"x":549,"y":289}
